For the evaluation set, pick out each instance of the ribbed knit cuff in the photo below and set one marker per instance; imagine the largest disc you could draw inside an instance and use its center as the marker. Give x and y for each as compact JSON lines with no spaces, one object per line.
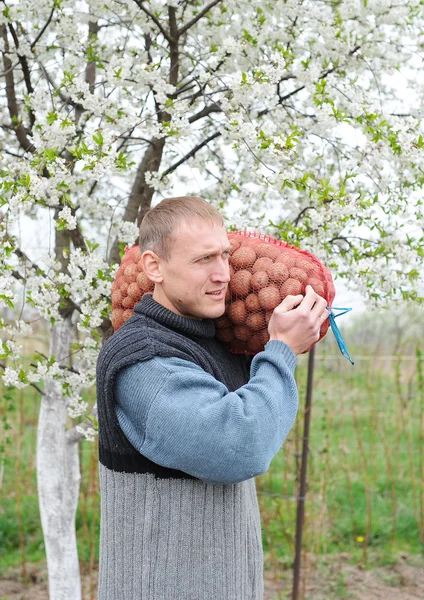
{"x":283,"y":350}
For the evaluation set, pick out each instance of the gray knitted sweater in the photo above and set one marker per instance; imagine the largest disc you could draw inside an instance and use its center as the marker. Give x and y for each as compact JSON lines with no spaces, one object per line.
{"x":166,"y":535}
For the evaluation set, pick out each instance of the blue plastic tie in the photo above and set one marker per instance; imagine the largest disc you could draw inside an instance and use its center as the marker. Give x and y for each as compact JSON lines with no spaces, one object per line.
{"x":339,"y":338}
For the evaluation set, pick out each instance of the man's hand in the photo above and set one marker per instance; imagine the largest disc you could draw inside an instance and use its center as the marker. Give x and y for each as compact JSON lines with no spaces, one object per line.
{"x":298,"y":319}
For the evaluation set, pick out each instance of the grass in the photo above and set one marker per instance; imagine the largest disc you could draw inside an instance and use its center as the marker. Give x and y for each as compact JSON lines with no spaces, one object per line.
{"x":364,"y":498}
{"x":365,"y":494}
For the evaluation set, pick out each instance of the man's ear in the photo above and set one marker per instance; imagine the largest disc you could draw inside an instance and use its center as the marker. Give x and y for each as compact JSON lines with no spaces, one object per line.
{"x":152,"y":266}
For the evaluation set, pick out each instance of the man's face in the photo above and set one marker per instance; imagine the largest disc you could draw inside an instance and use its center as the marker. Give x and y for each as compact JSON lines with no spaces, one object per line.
{"x":196,"y":276}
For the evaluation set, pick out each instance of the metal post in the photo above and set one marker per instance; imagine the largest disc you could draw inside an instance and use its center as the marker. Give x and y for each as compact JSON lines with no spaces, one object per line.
{"x":302,"y":488}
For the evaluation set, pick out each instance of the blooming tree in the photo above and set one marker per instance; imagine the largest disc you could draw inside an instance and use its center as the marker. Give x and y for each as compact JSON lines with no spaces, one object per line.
{"x":282,"y":113}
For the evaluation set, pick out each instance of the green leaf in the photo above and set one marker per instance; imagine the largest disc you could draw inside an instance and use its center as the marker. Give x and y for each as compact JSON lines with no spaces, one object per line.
{"x":51,"y":117}
{"x":98,"y":138}
{"x":92,"y":247}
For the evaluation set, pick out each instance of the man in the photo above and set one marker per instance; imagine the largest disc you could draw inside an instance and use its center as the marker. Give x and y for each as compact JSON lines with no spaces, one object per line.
{"x":185,"y":426}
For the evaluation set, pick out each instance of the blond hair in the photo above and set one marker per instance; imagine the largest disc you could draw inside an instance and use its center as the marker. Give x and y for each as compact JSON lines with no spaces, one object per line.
{"x":160,"y":223}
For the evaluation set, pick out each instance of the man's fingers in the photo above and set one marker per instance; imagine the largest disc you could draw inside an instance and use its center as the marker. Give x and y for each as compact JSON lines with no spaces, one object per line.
{"x":289,"y":302}
{"x":313,"y":302}
{"x":310,"y":298}
{"x":310,"y":302}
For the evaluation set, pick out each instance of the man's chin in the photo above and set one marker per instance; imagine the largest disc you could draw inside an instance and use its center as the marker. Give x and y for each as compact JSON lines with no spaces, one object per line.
{"x":217,"y":312}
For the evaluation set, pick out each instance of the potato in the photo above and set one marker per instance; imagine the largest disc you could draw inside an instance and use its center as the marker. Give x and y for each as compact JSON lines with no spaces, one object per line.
{"x":237,"y":312}
{"x":144,"y":283}
{"x":255,"y":344}
{"x":222,"y":322}
{"x":130,"y":273}
{"x":252,"y":303}
{"x":269,"y":297}
{"x":318,"y":286}
{"x":242,"y":333}
{"x":305,"y":264}
{"x":117,"y":299}
{"x":124,"y":287}
{"x":243,"y":258}
{"x":260,"y":336}
{"x":316,"y":273}
{"x":134,"y":291}
{"x":298,"y":274}
{"x":240,"y":283}
{"x":267,"y":250}
{"x":127,"y":314}
{"x":255,"y":321}
{"x":259,"y":280}
{"x":278,"y":273}
{"x":262,"y":264}
{"x":235,"y":244}
{"x":291,"y":287}
{"x":117,"y":318}
{"x":128,"y":302}
{"x":287,"y":259}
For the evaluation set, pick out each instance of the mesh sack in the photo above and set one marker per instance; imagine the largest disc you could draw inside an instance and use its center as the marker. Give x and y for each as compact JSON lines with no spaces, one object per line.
{"x":129,"y":286}
{"x":263,"y":271}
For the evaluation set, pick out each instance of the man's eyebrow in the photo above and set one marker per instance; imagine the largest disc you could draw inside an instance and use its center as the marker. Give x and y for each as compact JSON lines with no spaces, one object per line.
{"x":212,"y":251}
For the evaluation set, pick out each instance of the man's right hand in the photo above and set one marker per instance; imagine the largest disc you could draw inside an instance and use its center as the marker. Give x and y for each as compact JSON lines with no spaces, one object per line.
{"x":298,"y":319}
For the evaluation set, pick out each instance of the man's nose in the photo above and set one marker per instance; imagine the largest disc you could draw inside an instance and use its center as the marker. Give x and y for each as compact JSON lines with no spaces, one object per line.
{"x":222,"y":271}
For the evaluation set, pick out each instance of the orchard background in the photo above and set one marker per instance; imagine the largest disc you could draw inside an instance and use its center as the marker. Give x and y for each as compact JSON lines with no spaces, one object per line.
{"x":298,"y":118}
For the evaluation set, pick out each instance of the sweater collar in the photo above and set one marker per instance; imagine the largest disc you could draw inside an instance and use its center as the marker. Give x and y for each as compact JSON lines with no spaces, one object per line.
{"x":204,"y":328}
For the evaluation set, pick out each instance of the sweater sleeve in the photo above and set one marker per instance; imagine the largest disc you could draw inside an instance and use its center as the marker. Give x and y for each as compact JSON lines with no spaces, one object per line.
{"x":179,"y":416}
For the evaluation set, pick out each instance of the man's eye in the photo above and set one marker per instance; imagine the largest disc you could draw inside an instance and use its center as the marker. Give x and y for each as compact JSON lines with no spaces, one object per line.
{"x":205,"y":258}
{"x":225,"y":254}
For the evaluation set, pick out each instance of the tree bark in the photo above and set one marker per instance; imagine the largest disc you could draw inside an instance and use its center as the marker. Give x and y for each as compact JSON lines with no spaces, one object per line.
{"x":141,"y":194}
{"x":58,"y":480}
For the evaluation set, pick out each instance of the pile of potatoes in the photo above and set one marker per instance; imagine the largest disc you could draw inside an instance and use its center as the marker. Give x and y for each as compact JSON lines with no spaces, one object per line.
{"x":263,"y":271}
{"x":129,"y":286}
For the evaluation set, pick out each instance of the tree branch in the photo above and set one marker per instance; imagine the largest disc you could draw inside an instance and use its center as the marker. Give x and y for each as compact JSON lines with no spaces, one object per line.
{"x":34,"y":385}
{"x":46,"y":24}
{"x":65,"y":100}
{"x":194,"y":20}
{"x":173,"y":46}
{"x":12,"y":103}
{"x":141,"y":193}
{"x":207,"y":110}
{"x":300,"y":215}
{"x":190,"y":154}
{"x":327,"y":72}
{"x":154,"y":19}
{"x":33,"y":265}
{"x":24,"y":64}
{"x":90,"y":70}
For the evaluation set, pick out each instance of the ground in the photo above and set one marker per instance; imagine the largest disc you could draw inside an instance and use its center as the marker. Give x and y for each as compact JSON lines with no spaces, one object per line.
{"x":335,"y":579}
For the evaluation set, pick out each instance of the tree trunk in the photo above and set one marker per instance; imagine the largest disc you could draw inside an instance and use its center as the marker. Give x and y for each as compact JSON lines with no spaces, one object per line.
{"x":58,"y":479}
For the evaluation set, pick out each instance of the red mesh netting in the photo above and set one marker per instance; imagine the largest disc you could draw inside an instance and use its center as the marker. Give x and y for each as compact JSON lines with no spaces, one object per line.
{"x":129,"y":286}
{"x":263,"y":271}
